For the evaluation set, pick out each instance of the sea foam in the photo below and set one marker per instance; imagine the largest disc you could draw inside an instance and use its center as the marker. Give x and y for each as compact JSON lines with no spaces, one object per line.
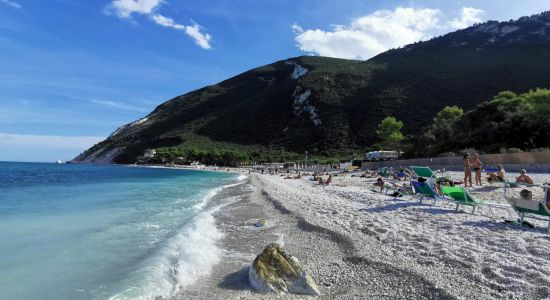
{"x":188,"y":256}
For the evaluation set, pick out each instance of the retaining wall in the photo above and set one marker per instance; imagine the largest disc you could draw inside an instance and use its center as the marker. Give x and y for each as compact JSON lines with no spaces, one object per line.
{"x":534,"y":162}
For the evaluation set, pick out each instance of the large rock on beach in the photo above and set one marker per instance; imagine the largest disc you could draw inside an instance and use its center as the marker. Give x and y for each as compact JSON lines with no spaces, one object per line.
{"x":274,"y":270}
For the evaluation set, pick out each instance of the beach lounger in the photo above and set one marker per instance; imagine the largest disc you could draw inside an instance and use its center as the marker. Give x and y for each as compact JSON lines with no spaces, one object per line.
{"x":426,"y":172}
{"x":394,"y":190}
{"x":531,"y":208}
{"x":385,"y":172}
{"x":425,"y":191}
{"x":461,"y":196}
{"x":511,"y":184}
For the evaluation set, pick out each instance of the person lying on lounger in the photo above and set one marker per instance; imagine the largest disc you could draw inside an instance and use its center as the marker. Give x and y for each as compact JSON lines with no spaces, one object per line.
{"x":316,"y":177}
{"x":499,"y":176}
{"x":369,"y":174}
{"x":403,"y":190}
{"x":524,"y":178}
{"x":406,"y":173}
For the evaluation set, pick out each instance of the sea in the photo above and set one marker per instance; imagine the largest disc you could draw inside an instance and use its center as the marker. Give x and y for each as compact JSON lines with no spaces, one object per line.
{"x":71,"y":231}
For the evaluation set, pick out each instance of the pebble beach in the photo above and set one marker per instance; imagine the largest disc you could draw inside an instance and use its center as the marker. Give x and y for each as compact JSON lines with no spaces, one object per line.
{"x":362,"y":244}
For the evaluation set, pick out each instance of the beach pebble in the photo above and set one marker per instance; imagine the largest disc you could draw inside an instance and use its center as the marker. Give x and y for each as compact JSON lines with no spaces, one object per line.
{"x":261,"y":223}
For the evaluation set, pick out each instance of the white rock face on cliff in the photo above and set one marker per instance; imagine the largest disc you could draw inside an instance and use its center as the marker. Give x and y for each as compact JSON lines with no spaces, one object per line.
{"x":128,"y":126}
{"x":302,"y":105}
{"x":274,"y":270}
{"x":298,"y":71}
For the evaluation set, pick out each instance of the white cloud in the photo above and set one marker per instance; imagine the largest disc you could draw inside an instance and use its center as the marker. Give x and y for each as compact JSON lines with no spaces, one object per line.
{"x":125,"y":8}
{"x":118,"y":105}
{"x":12,"y":141}
{"x":166,"y":22}
{"x":194,"y":31}
{"x":382,"y":30}
{"x":201,"y":39}
{"x":469,"y":16}
{"x":297,"y":29}
{"x":11,"y":3}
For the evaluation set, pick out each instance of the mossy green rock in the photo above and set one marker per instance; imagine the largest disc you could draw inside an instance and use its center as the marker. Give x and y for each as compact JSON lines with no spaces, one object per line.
{"x":274,"y":270}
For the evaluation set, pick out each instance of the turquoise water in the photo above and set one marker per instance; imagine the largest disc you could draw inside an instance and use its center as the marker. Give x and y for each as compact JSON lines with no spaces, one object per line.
{"x":100,"y":232}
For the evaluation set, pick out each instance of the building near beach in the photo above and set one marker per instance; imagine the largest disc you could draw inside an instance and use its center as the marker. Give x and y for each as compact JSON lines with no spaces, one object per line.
{"x":149,"y":153}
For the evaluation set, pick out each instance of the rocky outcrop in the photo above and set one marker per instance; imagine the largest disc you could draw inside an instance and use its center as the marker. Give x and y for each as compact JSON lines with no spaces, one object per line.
{"x":275,"y":270}
{"x":101,"y":156}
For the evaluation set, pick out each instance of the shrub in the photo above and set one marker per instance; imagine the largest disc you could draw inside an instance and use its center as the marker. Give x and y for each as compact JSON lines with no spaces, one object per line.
{"x":513,"y":150}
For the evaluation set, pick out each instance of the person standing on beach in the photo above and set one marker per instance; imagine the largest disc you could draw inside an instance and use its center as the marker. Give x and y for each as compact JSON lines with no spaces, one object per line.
{"x":467,"y":170}
{"x":478,"y":165}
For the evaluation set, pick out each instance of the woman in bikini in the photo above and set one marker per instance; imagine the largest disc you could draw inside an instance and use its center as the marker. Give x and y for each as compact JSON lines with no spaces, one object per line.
{"x":478,"y":165}
{"x":467,"y":171}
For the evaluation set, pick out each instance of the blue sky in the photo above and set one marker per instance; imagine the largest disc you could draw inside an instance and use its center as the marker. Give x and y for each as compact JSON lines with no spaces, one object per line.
{"x":71,"y":72}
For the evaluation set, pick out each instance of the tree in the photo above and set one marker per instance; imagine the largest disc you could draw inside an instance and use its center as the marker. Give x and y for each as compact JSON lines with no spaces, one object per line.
{"x":389,"y":132}
{"x":448,"y":115}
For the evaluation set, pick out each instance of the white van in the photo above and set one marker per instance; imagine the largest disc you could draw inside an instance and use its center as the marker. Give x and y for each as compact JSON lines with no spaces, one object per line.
{"x":381,"y":155}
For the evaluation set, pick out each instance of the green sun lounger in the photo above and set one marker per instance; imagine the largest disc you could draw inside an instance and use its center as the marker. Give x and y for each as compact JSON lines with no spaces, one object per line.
{"x":461,"y":197}
{"x":510,"y":184}
{"x":384,"y":172}
{"x":392,"y":189}
{"x":424,"y":172}
{"x":425,"y":191}
{"x":531,"y":208}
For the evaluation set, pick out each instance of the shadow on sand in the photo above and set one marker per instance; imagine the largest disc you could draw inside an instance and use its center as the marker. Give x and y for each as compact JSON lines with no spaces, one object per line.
{"x":424,"y":207}
{"x":485,"y":189}
{"x":492,"y":225}
{"x":391,"y":207}
{"x":442,"y":211}
{"x":237,"y":281}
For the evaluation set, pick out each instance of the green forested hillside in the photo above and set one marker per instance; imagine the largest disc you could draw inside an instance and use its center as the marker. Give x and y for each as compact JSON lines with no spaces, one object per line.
{"x":508,"y":121}
{"x":331,"y":107}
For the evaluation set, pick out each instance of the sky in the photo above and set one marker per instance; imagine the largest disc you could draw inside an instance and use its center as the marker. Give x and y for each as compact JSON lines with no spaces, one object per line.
{"x":71,"y":72}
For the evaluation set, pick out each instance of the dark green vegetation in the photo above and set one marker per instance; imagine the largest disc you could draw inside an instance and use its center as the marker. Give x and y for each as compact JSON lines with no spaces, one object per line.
{"x":508,"y":121}
{"x":259,"y":115}
{"x":389,"y":133}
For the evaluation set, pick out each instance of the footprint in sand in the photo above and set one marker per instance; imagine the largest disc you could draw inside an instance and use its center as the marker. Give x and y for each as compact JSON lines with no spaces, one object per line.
{"x":499,"y":281}
{"x":542,"y":292}
{"x":538,"y":252}
{"x":537,"y":279}
{"x":368,"y":231}
{"x":380,"y":230}
{"x":514,"y":270}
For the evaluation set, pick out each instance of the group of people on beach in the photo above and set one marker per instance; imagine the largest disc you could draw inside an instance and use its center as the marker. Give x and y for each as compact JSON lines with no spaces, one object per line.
{"x":474,"y":163}
{"x":469,"y":164}
{"x":318,"y":177}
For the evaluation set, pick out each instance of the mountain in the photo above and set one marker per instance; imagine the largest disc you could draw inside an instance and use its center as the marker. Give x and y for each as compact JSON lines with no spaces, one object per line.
{"x":331,"y":107}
